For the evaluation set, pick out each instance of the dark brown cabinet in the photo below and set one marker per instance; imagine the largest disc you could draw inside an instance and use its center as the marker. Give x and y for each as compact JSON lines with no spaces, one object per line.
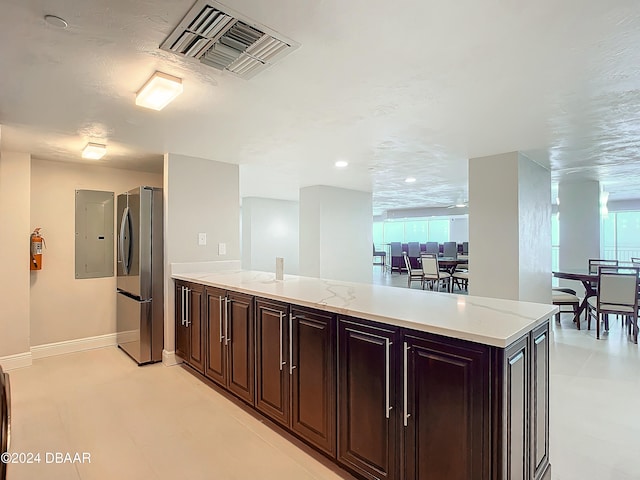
{"x":445,"y":419}
{"x":230,"y":348}
{"x":386,"y":402}
{"x":188,"y":315}
{"x":312,"y":342}
{"x":272,"y":365}
{"x":367,"y":410}
{"x":295,"y":370}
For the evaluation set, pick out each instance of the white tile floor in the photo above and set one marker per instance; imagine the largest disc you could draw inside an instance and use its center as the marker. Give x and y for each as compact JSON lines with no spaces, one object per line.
{"x":159,"y":422}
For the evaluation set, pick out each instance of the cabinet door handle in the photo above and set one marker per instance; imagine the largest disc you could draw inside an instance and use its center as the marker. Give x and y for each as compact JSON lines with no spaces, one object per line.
{"x":281,"y":341}
{"x":188,"y":302}
{"x":387,"y":344}
{"x":405,"y":405}
{"x":291,"y":365}
{"x":182,"y":289}
{"x":220,"y":309}
{"x":226,"y":321}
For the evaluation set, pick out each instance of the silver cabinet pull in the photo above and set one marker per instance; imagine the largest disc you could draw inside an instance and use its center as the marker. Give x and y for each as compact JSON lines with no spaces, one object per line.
{"x":291,"y":365}
{"x":188,"y":302}
{"x":226,"y":321}
{"x":220,"y":309}
{"x":182,"y":305}
{"x":405,"y":404}
{"x":388,"y":343}
{"x":281,"y":341}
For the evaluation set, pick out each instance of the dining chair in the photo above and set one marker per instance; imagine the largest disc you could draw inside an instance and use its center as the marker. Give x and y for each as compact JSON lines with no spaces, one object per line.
{"x":635,"y":261}
{"x":465,"y":248}
{"x":413,"y":251}
{"x":596,"y":263}
{"x":431,"y":272}
{"x":566,"y":296}
{"x":379,"y":253}
{"x":414,"y":273}
{"x":618,"y":295}
{"x":450,"y":249}
{"x":395,"y":250}
{"x":461,"y":279}
{"x":431,"y":247}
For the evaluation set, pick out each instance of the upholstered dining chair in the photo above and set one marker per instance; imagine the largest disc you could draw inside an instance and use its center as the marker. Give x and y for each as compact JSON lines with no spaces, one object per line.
{"x":413,"y":251}
{"x":618,"y":295}
{"x":461,"y":279}
{"x":379,"y":253}
{"x":568,"y":297}
{"x":431,"y":272}
{"x":396,"y":256}
{"x":450,"y":249}
{"x":414,"y":273}
{"x":635,"y":261}
{"x":432,"y":247}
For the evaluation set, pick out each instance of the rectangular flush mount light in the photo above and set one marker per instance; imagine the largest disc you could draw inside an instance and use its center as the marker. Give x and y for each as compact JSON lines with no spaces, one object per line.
{"x":159,"y":91}
{"x":94,"y":151}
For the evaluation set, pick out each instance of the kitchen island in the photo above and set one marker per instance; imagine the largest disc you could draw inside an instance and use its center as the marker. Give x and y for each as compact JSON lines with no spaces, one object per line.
{"x":389,"y":382}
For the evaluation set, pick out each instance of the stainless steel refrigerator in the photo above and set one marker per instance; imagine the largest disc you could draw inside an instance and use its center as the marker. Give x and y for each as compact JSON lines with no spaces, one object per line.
{"x":140,"y":305}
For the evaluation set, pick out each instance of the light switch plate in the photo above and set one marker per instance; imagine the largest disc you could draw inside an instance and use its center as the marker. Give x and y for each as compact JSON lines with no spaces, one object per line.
{"x":222,"y":249}
{"x":202,"y":239}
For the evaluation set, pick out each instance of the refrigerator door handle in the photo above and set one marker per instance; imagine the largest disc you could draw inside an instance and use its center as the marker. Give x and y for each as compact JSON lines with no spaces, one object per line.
{"x":125,"y":254}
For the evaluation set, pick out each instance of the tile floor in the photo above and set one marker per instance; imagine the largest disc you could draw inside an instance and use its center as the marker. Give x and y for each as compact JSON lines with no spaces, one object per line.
{"x":159,"y":422}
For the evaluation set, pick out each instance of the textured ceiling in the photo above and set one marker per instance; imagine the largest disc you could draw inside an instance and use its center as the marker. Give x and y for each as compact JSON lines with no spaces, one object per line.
{"x":410,"y":88}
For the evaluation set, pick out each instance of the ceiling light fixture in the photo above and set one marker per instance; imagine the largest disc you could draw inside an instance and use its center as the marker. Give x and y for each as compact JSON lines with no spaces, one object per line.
{"x":94,"y":151}
{"x":56,"y":21}
{"x":341,"y":163}
{"x":159,"y":91}
{"x":409,"y":179}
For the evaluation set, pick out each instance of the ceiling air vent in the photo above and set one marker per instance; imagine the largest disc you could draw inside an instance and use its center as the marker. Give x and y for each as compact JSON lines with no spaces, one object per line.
{"x":223,"y":39}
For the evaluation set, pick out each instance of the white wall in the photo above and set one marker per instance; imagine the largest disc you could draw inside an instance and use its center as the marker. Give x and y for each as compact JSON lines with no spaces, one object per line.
{"x":269,"y":230}
{"x":509,"y":228}
{"x":459,"y":229}
{"x":63,"y":307}
{"x":201,"y":196}
{"x":14,"y":253}
{"x":336,"y":233}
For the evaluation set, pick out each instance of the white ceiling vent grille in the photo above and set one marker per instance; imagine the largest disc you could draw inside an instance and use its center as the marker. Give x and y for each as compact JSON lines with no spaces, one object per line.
{"x":226,"y":40}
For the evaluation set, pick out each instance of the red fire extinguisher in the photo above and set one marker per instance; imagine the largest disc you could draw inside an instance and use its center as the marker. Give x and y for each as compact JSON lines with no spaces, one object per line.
{"x":37,"y":241}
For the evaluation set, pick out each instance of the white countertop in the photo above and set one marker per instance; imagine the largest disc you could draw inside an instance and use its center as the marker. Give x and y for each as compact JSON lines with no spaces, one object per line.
{"x":489,"y":321}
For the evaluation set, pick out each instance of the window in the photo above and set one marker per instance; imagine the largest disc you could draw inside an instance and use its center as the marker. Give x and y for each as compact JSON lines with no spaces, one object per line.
{"x":621,"y":235}
{"x":431,"y":230}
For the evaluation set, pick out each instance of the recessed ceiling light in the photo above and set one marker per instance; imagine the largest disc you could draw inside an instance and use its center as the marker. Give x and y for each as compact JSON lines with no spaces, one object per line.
{"x":94,"y":151}
{"x":159,"y":91}
{"x":341,"y":163}
{"x":55,"y":21}
{"x":410,"y":179}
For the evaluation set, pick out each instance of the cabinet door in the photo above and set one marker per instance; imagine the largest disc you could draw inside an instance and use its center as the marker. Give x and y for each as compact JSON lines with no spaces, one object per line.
{"x":182,"y":331}
{"x":540,"y":402}
{"x":445,"y":393}
{"x":215,"y":353}
{"x":196,"y":337}
{"x":313,"y":377}
{"x":240,"y":345}
{"x":517,"y":415}
{"x":272,"y":368}
{"x":367,"y":416}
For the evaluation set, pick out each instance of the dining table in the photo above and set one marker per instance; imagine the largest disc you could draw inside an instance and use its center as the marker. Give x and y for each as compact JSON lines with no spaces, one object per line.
{"x":449,"y":264}
{"x":589,"y":282}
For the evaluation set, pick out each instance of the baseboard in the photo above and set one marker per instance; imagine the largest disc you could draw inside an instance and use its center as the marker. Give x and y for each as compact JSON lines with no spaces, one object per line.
{"x":71,"y":346}
{"x":19,"y":360}
{"x":169,"y":359}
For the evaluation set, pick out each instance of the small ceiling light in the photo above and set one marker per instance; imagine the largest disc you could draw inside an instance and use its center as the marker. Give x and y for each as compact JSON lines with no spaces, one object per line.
{"x":159,"y":91}
{"x":410,"y":179}
{"x":55,"y":21}
{"x":341,"y":163}
{"x":94,"y":151}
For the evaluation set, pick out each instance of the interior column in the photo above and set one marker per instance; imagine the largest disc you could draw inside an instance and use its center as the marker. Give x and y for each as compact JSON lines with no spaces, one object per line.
{"x":15,"y":227}
{"x":336,"y":233}
{"x":509,"y":228}
{"x":579,"y":225}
